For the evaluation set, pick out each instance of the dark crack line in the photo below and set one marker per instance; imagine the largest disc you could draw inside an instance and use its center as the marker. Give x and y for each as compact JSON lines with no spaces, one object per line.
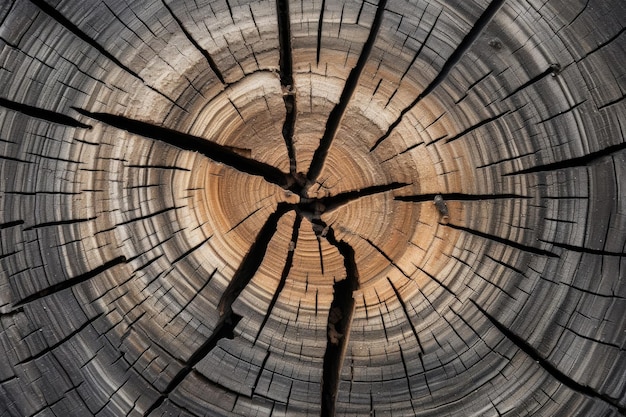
{"x":573,"y":162}
{"x":438,"y":281}
{"x":240,"y":222}
{"x":61,"y":341}
{"x":199,"y":291}
{"x":147,"y":216}
{"x":166,"y":167}
{"x":552,"y":70}
{"x":417,"y":338}
{"x":252,"y":261}
{"x":507,"y":242}
{"x":211,"y":150}
{"x":387,"y":257}
{"x":228,"y":320}
{"x":479,"y":26}
{"x":511,"y":158}
{"x":472,"y":128}
{"x":471,"y":87}
{"x":196,"y":45}
{"x":223,"y":330}
{"x":59,"y":223}
{"x":67,"y":24}
{"x":43,"y":114}
{"x":333,"y":202}
{"x":71,"y":282}
{"x":580,"y":249}
{"x":339,"y":322}
{"x":561,"y":113}
{"x":337,"y":113}
{"x":319,"y":249}
{"x":286,"y":81}
{"x":603,"y":44}
{"x":319,"y":33}
{"x":408,"y":108}
{"x":406,"y":372}
{"x":285,"y":273}
{"x":406,"y":315}
{"x":11,"y":224}
{"x":529,"y":350}
{"x":261,"y":369}
{"x":421,"y":198}
{"x":419,"y":50}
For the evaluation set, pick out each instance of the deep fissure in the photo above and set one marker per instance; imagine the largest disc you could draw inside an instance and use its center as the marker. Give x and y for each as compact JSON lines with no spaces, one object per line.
{"x":287,"y":84}
{"x":339,"y":322}
{"x":337,"y":113}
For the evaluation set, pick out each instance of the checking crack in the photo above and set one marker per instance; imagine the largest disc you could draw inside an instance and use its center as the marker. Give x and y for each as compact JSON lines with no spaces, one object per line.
{"x":339,"y":318}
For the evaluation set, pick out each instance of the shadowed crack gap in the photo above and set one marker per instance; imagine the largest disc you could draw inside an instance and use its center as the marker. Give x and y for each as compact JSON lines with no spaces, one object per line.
{"x":507,"y":242}
{"x":319,"y":33}
{"x":252,"y":261}
{"x":43,"y":114}
{"x":333,"y":202}
{"x":573,"y":162}
{"x":71,"y":282}
{"x":70,"y":26}
{"x":228,"y":320}
{"x":336,"y":115}
{"x":421,"y":198}
{"x":553,"y":70}
{"x":479,"y":26}
{"x":283,"y":277}
{"x":223,"y":330}
{"x":286,"y":80}
{"x":196,"y":45}
{"x":339,"y":322}
{"x":564,"y":379}
{"x":212,"y":150}
{"x":420,"y":354}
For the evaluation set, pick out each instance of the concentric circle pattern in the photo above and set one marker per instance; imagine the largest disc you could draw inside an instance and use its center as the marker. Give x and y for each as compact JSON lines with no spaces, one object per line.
{"x":335,"y":208}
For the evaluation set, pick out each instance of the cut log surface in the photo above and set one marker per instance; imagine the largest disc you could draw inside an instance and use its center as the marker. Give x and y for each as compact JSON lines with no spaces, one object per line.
{"x":312,"y":208}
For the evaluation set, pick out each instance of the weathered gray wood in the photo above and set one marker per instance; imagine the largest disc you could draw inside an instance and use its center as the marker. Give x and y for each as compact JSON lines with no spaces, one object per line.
{"x":230,"y":208}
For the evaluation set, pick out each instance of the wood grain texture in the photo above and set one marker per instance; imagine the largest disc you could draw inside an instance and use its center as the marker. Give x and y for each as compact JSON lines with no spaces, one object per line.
{"x":330,"y":207}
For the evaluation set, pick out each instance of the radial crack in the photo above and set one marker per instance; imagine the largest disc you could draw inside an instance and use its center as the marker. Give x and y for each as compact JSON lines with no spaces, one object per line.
{"x":59,"y":223}
{"x":585,"y":250}
{"x":224,"y":330}
{"x":71,"y":282}
{"x":421,"y":198}
{"x":472,"y":128}
{"x":573,"y":162}
{"x":319,"y":32}
{"x":66,"y":23}
{"x":216,"y":152}
{"x":339,"y":322}
{"x":528,"y":349}
{"x":507,"y":242}
{"x":196,"y":45}
{"x":480,"y":25}
{"x":228,"y":320}
{"x":43,"y":114}
{"x":286,"y":81}
{"x":333,"y":202}
{"x":252,"y":261}
{"x":552,"y":70}
{"x":387,"y":257}
{"x":283,"y":277}
{"x":406,"y":315}
{"x":62,"y":341}
{"x":336,"y":115}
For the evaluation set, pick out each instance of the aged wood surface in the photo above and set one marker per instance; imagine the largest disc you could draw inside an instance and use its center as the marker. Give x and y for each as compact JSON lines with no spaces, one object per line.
{"x":328,"y":208}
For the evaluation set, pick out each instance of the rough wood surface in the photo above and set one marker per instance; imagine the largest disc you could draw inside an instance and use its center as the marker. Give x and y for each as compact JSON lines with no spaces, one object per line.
{"x":334,"y":208}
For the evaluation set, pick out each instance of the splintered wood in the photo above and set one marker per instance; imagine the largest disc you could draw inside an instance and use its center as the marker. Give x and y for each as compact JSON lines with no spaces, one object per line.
{"x":333,"y":208}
